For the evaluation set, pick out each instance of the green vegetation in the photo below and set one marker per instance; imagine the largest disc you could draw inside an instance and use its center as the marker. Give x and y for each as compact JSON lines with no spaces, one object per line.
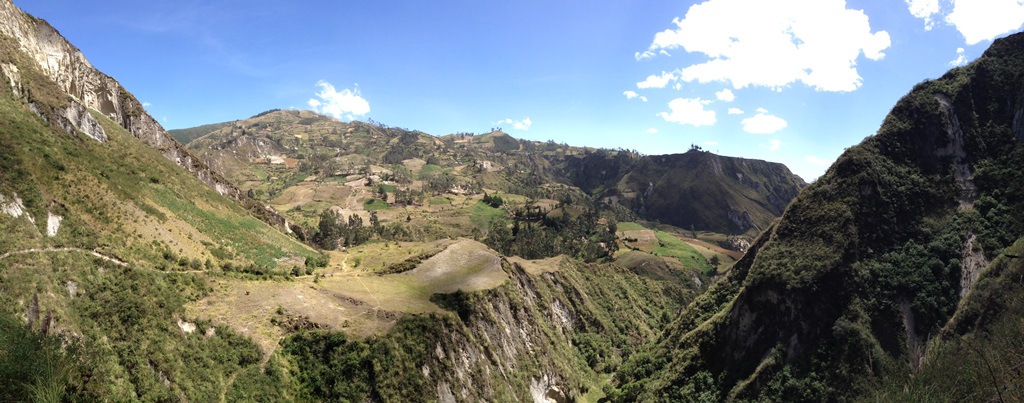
{"x":536,"y":235}
{"x":860,"y":281}
{"x":375,"y":204}
{"x":35,"y":366}
{"x":630,"y":226}
{"x":614,"y":308}
{"x":978,"y":355}
{"x":129,"y":341}
{"x":484,"y":216}
{"x":670,"y":245}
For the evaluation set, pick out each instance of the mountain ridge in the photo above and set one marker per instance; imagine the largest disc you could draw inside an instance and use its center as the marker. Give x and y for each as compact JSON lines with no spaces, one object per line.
{"x":695,"y":190}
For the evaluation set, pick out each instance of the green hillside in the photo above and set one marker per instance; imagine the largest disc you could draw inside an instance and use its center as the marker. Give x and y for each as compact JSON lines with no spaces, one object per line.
{"x":400,"y":266}
{"x":302,"y":159}
{"x":102,"y":244}
{"x":129,"y":271}
{"x":860,"y":285}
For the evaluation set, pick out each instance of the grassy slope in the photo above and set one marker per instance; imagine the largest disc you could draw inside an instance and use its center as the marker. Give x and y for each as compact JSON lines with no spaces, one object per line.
{"x":124,"y":201}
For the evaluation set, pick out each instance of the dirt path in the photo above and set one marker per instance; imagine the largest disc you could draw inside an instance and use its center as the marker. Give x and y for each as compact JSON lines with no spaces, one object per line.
{"x":96,"y":254}
{"x":111,"y":259}
{"x":375,"y":299}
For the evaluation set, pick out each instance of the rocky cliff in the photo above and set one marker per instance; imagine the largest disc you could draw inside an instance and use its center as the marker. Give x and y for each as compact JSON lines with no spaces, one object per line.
{"x":544,"y":335}
{"x":87,"y":88}
{"x":695,"y":190}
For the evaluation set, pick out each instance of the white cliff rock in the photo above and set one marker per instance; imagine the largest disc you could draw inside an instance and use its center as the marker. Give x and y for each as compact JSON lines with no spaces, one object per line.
{"x":88,"y":88}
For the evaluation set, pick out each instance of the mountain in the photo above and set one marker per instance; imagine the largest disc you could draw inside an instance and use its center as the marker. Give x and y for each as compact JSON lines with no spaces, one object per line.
{"x":880,"y":276}
{"x":488,"y":268}
{"x":132,"y":271}
{"x":697,"y":189}
{"x":277,"y":151}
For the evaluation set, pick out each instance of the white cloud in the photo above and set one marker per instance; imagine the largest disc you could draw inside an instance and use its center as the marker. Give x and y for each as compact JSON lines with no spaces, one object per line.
{"x":656,"y":81}
{"x":763,"y":123}
{"x":517,"y":124}
{"x":981,"y":20}
{"x":345,"y":104}
{"x":774,"y":43}
{"x":649,"y":54}
{"x":146,"y":104}
{"x":924,"y":9}
{"x":961,"y":58}
{"x":633,"y":94}
{"x":977,"y":20}
{"x":725,"y":95}
{"x":735,"y":111}
{"x":652,"y":131}
{"x":686,"y":111}
{"x":774,"y":145}
{"x":523,"y":124}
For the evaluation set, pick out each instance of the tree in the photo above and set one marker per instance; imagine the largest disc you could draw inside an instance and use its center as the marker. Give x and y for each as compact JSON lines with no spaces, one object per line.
{"x":493,"y":201}
{"x":329,"y":230}
{"x":375,"y":223}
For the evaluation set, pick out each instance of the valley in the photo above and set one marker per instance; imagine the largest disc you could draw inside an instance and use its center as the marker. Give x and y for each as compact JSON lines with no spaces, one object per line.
{"x":293,"y":256}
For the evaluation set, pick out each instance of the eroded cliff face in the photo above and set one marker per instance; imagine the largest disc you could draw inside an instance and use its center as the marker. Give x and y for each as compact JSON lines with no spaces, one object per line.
{"x":87,"y":88}
{"x":695,"y":190}
{"x":508,"y":346}
{"x":545,"y":334}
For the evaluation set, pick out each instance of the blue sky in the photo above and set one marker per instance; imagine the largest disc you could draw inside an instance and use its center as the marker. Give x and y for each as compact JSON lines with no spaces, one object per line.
{"x":791,"y":81}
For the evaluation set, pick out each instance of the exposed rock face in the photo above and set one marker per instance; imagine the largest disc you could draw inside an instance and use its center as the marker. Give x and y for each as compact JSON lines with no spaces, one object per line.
{"x":68,"y":68}
{"x":503,"y":334}
{"x":695,"y":190}
{"x":89,"y":88}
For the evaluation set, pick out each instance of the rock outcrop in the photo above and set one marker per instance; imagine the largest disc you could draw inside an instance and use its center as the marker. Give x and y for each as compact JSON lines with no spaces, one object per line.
{"x":695,"y":190}
{"x":87,"y":87}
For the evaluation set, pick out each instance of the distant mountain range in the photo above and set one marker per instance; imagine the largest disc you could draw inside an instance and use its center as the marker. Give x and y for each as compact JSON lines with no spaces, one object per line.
{"x":697,"y":190}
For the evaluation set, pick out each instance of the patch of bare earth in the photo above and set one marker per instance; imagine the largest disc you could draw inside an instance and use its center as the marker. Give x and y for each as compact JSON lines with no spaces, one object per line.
{"x":467,"y":265}
{"x":343,"y":297}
